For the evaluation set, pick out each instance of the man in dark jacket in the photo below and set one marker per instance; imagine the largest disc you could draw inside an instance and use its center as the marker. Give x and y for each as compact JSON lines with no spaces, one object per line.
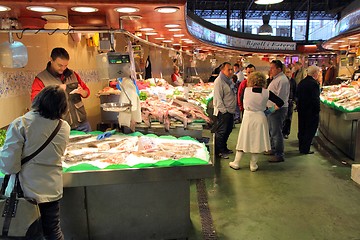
{"x":308,"y":105}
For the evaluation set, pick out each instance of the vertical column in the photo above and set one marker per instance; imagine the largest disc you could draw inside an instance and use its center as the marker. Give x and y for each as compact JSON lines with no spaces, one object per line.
{"x":228,"y":14}
{"x":292,"y":13}
{"x":308,"y":21}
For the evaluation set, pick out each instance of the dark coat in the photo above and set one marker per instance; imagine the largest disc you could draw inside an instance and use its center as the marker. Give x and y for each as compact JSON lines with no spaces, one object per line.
{"x":308,"y":96}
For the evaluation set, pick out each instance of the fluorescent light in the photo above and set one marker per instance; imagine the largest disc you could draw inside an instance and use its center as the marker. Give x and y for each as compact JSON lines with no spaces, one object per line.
{"x":151,"y":33}
{"x":146,"y":29}
{"x":167,"y":41}
{"x":159,"y":38}
{"x":53,"y":17}
{"x":166,"y":9}
{"x":127,"y":9}
{"x":179,"y":35}
{"x":4,"y":8}
{"x":84,"y":9}
{"x":172,"y":25}
{"x":41,"y":9}
{"x":174,"y":29}
{"x":267,"y":2}
{"x":176,"y":44}
{"x":131,"y":17}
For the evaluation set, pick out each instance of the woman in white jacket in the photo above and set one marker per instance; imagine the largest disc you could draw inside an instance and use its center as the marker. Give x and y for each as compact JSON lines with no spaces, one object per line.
{"x":254,"y":131}
{"x":41,"y":177}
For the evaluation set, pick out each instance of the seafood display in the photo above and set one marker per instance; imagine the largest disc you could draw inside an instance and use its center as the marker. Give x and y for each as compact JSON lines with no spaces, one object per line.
{"x":344,"y":97}
{"x":130,"y":150}
{"x":154,"y":109}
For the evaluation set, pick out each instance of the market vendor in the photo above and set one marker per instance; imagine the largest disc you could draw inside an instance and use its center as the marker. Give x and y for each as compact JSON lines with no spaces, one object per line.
{"x":176,"y":77}
{"x":57,"y":73}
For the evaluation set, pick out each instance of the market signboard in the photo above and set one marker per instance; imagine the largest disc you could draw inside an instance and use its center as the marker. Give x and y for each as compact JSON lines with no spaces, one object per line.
{"x":237,"y":43}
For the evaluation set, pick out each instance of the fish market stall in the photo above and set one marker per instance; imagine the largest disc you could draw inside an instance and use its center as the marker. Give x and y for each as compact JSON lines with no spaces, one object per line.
{"x":178,"y":111}
{"x":131,"y":186}
{"x":339,"y":117}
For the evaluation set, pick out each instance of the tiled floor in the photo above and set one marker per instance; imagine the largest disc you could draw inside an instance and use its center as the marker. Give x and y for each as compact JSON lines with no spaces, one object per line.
{"x":307,"y":197}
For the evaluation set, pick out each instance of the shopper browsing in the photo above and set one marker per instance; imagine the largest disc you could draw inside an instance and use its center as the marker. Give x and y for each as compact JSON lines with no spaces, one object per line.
{"x":41,"y":177}
{"x":254,"y":131}
{"x":224,"y":108}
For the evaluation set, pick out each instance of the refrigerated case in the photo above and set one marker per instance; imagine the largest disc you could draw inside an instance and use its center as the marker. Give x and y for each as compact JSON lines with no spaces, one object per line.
{"x":142,"y":201}
{"x":342,"y":129}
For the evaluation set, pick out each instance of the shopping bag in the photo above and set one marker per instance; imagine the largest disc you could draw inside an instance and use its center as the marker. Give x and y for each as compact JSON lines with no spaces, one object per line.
{"x":20,"y":216}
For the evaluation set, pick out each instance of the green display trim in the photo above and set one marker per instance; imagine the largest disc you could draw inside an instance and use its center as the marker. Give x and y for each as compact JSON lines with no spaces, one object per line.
{"x":340,"y":108}
{"x":162,"y":163}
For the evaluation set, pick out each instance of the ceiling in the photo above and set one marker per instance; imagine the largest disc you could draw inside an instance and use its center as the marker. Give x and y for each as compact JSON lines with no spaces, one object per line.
{"x":320,"y":9}
{"x":107,"y":18}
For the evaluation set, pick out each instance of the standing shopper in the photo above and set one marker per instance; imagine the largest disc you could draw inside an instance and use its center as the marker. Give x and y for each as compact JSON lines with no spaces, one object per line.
{"x":280,"y":86}
{"x":300,"y":72}
{"x":292,"y":94}
{"x":254,"y":131}
{"x":224,"y":109}
{"x":57,"y":73}
{"x":308,"y":105}
{"x":41,"y":177}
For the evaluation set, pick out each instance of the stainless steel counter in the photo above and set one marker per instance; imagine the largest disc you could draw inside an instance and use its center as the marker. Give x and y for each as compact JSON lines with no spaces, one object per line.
{"x":342,"y":129}
{"x":149,"y":203}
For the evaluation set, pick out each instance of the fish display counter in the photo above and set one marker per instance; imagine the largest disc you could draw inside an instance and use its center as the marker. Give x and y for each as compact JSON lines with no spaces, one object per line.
{"x":339,"y":117}
{"x":177,"y":111}
{"x":131,"y":186}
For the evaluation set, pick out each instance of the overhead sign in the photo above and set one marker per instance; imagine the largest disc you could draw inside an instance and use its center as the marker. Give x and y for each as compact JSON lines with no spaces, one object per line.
{"x":350,"y":21}
{"x":233,"y":42}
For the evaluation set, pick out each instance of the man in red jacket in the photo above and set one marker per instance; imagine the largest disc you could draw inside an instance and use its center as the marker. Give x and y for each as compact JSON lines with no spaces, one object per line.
{"x":249,"y":69}
{"x":57,"y":73}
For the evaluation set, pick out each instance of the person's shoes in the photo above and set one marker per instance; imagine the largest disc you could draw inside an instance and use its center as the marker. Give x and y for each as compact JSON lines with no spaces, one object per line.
{"x":268,"y":153}
{"x":309,"y":152}
{"x":286,"y":136}
{"x":224,"y":155}
{"x":254,"y":167}
{"x":276,"y":159}
{"x":228,"y":151}
{"x":234,"y":166}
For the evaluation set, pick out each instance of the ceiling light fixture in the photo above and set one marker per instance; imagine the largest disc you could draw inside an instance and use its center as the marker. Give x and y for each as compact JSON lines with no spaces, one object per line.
{"x":131,"y":17}
{"x":167,"y":41}
{"x":127,"y":9}
{"x":159,"y":38}
{"x":151,"y":33}
{"x":265,"y":29}
{"x":176,"y":44}
{"x":54,"y":17}
{"x":267,"y":2}
{"x":146,"y":29}
{"x":174,"y":29}
{"x":84,"y":9}
{"x":41,"y":9}
{"x":179,"y":35}
{"x":172,"y":25}
{"x":166,"y":9}
{"x":4,"y":8}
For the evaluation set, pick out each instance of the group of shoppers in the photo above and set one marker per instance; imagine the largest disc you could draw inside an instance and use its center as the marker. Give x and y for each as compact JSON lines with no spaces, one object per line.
{"x":266,"y":111}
